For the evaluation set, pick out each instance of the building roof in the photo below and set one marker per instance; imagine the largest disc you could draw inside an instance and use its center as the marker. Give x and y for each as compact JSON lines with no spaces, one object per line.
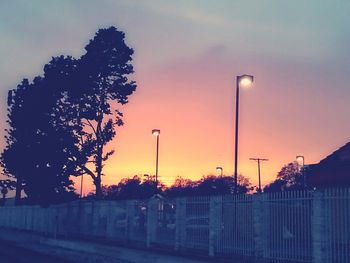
{"x":334,"y":170}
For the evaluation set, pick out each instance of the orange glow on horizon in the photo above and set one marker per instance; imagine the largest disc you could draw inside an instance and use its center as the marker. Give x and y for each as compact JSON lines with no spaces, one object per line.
{"x":198,"y":130}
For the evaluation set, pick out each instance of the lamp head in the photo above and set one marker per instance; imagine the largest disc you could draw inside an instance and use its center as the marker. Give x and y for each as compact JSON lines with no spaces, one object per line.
{"x":300,"y":159}
{"x":245,"y":80}
{"x":156,"y":132}
{"x":219,"y":168}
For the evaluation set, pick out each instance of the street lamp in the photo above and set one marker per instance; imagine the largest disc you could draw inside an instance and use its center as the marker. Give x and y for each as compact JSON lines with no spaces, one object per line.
{"x":301,"y":159}
{"x":259,"y":160}
{"x":244,"y":81}
{"x":220,"y":169}
{"x":156,"y":132}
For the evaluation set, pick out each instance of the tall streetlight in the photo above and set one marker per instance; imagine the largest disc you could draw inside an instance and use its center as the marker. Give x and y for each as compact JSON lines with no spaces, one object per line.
{"x":156,"y":132}
{"x":259,"y":160}
{"x":243,"y":80}
{"x":301,"y":159}
{"x":220,"y":169}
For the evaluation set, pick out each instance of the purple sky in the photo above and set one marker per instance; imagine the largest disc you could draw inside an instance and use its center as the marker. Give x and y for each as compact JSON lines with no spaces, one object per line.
{"x":187,"y":54}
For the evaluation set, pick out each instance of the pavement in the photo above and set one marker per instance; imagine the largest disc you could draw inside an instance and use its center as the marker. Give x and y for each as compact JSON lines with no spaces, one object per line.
{"x":13,"y":254}
{"x":20,"y":247}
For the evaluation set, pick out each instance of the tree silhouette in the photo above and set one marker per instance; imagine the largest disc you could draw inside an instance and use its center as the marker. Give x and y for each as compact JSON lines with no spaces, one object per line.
{"x":288,"y":178}
{"x":181,"y":187}
{"x":61,"y":122}
{"x":136,"y":188}
{"x":131,"y":188}
{"x":101,"y":81}
{"x":208,"y":185}
{"x":37,"y":144}
{"x":5,"y":186}
{"x":221,"y":185}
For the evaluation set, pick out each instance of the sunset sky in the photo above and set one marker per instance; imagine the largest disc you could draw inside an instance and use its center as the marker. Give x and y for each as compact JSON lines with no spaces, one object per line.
{"x":187,"y":56}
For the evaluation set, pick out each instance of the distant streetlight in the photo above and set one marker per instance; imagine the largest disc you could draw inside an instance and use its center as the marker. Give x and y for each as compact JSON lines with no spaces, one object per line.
{"x":220,"y":169}
{"x":301,"y":160}
{"x":245,"y":81}
{"x":156,"y":132}
{"x":259,"y":160}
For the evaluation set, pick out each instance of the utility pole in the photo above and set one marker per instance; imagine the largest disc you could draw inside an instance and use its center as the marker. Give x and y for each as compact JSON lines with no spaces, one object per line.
{"x":259,"y":160}
{"x":156,"y":132}
{"x":81,"y":186}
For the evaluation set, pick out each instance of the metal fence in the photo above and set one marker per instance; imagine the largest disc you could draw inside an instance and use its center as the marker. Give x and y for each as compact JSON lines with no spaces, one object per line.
{"x":288,"y":225}
{"x":337,"y":220}
{"x":295,"y":226}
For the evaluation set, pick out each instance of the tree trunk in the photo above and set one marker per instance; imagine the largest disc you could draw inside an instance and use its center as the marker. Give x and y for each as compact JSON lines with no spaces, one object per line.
{"x":18,"y":191}
{"x":98,"y":178}
{"x":3,"y":199}
{"x":97,"y":182}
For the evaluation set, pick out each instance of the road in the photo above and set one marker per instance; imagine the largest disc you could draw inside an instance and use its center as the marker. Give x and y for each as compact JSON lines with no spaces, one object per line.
{"x":26,"y":247}
{"x":13,"y":254}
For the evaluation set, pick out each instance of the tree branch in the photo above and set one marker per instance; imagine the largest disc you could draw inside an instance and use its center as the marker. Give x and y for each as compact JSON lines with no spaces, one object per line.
{"x":88,"y":171}
{"x":92,"y":126}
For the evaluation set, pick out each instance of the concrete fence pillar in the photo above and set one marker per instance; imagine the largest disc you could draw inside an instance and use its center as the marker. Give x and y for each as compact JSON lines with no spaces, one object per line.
{"x":180,"y":223}
{"x":152,"y":220}
{"x":130,"y":219}
{"x":259,"y":225}
{"x":319,"y":229}
{"x":110,"y":219}
{"x":215,"y":219}
{"x":95,"y":218}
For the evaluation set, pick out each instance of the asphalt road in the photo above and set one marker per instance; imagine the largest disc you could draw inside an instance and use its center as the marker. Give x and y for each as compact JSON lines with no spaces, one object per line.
{"x":26,"y":247}
{"x":12,"y":254}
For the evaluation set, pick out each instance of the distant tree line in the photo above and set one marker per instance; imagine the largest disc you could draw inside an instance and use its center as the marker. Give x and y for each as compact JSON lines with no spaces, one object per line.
{"x":290,"y":177}
{"x":138,"y":188}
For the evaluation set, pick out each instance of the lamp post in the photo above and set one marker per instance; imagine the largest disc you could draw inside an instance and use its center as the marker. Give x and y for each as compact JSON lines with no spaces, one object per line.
{"x":244,"y":80}
{"x":156,"y":132}
{"x":259,"y":160}
{"x":301,"y":159}
{"x":220,"y":169}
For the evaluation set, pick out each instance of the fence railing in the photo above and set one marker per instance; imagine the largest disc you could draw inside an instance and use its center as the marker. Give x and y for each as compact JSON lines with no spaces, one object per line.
{"x":295,"y":226}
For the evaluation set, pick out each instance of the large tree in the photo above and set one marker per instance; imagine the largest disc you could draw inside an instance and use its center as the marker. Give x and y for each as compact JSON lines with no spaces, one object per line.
{"x":288,"y":178}
{"x":211,"y":185}
{"x":131,"y":188}
{"x":61,"y":122}
{"x":101,"y":82}
{"x":38,"y":144}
